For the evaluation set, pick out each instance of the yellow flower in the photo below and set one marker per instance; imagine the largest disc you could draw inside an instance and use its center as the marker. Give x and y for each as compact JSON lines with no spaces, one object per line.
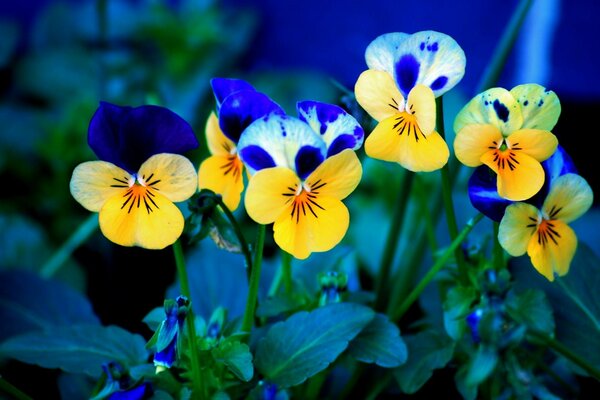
{"x":137,"y":209}
{"x":510,"y":133}
{"x":545,"y":234}
{"x":406,"y":73}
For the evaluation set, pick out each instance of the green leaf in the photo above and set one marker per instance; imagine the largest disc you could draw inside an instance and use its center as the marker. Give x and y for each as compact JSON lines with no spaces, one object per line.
{"x":154,"y":318}
{"x":481,"y":366}
{"x":575,"y":300}
{"x":427,"y":350}
{"x":456,"y":307}
{"x":237,"y":357}
{"x":77,"y":348}
{"x":307,"y":342}
{"x":531,"y":307}
{"x":379,"y":343}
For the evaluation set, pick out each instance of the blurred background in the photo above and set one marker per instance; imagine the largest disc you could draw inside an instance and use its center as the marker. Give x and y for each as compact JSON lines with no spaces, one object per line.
{"x":58,"y":59}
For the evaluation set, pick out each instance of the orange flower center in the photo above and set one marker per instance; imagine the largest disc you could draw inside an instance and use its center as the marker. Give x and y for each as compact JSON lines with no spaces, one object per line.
{"x":140,"y":191}
{"x":545,"y":231}
{"x":505,"y":154}
{"x":233,"y":166}
{"x":406,"y":123}
{"x":303,"y":199}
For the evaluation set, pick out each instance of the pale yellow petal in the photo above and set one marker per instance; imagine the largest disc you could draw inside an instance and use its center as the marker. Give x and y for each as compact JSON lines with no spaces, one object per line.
{"x":377,"y":94}
{"x":421,"y":103}
{"x":173,"y":175}
{"x":569,"y":198}
{"x":552,"y":249}
{"x":223,"y":174}
{"x":217,"y":142}
{"x":311,"y":227}
{"x":536,"y":143}
{"x":473,"y":141}
{"x":516,"y":228}
{"x":94,"y":182}
{"x":270,"y":191}
{"x":495,"y":106}
{"x":384,"y":142}
{"x":540,"y":107}
{"x":337,"y":176}
{"x":141,"y":219}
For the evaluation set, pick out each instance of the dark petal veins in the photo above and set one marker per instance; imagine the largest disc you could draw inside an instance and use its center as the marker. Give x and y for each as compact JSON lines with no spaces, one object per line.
{"x":128,"y":136}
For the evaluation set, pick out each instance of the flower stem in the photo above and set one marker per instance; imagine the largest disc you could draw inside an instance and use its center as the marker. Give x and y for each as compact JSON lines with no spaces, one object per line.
{"x":437,"y":266}
{"x":238,"y":232}
{"x":392,"y":240}
{"x":498,"y":251}
{"x":14,"y":392}
{"x":82,"y":234}
{"x":248,"y":320}
{"x":492,"y":73}
{"x":190,"y":321}
{"x":286,"y":269}
{"x":566,"y":352}
{"x":447,"y":197}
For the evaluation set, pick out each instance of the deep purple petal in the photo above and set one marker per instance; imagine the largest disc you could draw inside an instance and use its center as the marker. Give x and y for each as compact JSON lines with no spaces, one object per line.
{"x":407,"y":72}
{"x":558,"y":164}
{"x":483,"y":193}
{"x":325,"y":113}
{"x":128,"y":136}
{"x":340,"y":143}
{"x":256,"y":157}
{"x":167,"y":356}
{"x":240,"y":109}
{"x":223,"y":87}
{"x":307,"y":160}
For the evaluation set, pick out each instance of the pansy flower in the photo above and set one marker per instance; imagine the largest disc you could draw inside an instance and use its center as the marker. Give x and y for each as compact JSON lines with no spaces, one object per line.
{"x":238,"y":104}
{"x":141,"y":173}
{"x":509,"y":131}
{"x":406,"y":73}
{"x":483,"y":191}
{"x":544,"y":234}
{"x":167,"y":338}
{"x":301,"y":170}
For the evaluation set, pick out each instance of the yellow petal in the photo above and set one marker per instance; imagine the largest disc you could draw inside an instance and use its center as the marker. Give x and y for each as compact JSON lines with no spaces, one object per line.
{"x":540,"y":107}
{"x":337,"y":176}
{"x":473,"y":141}
{"x":173,"y":175}
{"x":270,"y":191}
{"x":223,"y":174}
{"x":536,"y":143}
{"x":421,"y":103}
{"x":569,"y":198}
{"x":94,"y":182}
{"x":377,"y":93}
{"x":216,"y":140}
{"x":308,"y":228}
{"x":384,"y":142}
{"x":140,"y":216}
{"x":552,"y":248}
{"x":495,"y":106}
{"x":520,"y":176}
{"x":424,"y":155}
{"x":518,"y":225}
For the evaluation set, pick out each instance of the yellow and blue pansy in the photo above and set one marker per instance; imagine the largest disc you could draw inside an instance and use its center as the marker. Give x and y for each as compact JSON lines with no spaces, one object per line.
{"x":406,"y":73}
{"x":543,"y":233}
{"x":301,"y":170}
{"x":140,"y":174}
{"x":238,"y":104}
{"x":509,"y":131}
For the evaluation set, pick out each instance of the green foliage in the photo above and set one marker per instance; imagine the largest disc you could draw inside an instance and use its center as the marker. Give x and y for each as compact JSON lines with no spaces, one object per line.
{"x":237,"y":357}
{"x":287,"y":356}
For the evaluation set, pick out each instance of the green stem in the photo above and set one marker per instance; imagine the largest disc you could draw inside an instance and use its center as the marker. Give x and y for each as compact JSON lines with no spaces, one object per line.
{"x":238,"y":232}
{"x":14,"y":392}
{"x":248,"y":320}
{"x":392,"y":240}
{"x":423,"y":201}
{"x":447,"y":197}
{"x":286,"y":271}
{"x":567,"y":353}
{"x":190,"y":321}
{"x":437,"y":266}
{"x":498,"y":251}
{"x":492,"y":73}
{"x":82,"y":234}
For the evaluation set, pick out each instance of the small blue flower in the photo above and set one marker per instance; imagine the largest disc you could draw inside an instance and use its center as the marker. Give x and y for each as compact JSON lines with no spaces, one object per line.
{"x":333,"y":284}
{"x":473,"y":324}
{"x":119,"y":385}
{"x":168,"y":334}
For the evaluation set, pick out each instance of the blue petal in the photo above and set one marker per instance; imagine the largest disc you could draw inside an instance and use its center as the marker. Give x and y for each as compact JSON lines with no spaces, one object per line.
{"x":143,"y":391}
{"x":558,"y":164}
{"x":256,"y":158}
{"x":240,"y":109}
{"x":223,"y":87}
{"x":429,"y":58}
{"x":339,"y":129}
{"x":307,"y":160}
{"x":381,"y":52}
{"x":483,"y":194}
{"x":281,"y":137}
{"x":167,"y":356}
{"x":128,"y":136}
